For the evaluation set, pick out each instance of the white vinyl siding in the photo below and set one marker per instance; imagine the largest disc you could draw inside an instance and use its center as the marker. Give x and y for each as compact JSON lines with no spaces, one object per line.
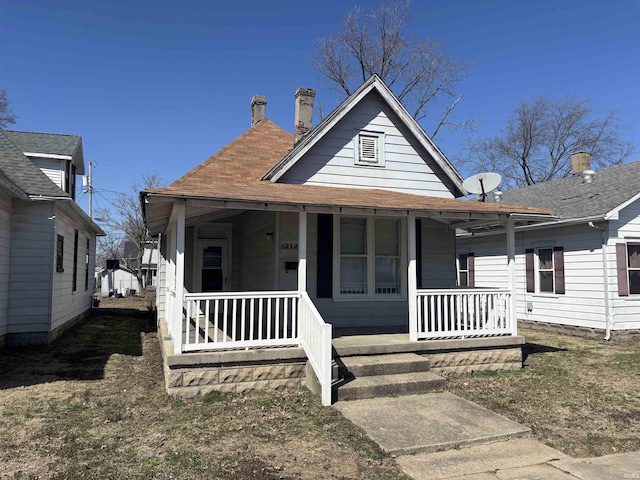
{"x":407,"y":168}
{"x":583,"y":302}
{"x":66,"y":303}
{"x":32,"y":263}
{"x":5,"y":253}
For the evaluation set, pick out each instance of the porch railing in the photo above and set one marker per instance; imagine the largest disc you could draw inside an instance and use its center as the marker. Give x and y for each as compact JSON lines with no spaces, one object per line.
{"x":240,"y":320}
{"x":230,"y":320}
{"x":315,"y":338}
{"x":463,"y":313}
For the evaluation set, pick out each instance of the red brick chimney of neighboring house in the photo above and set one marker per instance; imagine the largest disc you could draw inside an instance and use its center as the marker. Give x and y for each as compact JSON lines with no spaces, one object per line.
{"x":258,"y":109}
{"x":304,"y":112}
{"x":580,"y":161}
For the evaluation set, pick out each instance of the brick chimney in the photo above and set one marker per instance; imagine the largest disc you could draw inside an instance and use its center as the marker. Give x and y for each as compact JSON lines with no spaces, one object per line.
{"x":304,"y":112}
{"x":258,"y":108}
{"x":580,"y":161}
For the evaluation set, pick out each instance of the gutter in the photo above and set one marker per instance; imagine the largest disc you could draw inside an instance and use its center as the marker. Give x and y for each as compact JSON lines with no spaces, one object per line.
{"x":515,"y":216}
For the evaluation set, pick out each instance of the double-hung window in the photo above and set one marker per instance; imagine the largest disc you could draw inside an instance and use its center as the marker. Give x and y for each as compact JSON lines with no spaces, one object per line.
{"x":369,"y":257}
{"x":545,"y":270}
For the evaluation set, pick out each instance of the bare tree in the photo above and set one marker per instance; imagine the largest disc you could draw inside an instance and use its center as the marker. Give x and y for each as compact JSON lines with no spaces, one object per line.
{"x":7,"y":116}
{"x":540,"y":137}
{"x":124,"y":225}
{"x":417,"y":70}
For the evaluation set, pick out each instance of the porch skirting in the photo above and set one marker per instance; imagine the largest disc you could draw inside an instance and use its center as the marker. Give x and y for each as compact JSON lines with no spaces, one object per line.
{"x":191,"y":375}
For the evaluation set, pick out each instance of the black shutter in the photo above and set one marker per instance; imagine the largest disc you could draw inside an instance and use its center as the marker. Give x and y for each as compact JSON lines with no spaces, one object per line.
{"x":558,"y":265}
{"x":419,"y":252}
{"x":621,"y":267}
{"x":325,"y":256}
{"x":471,"y":270}
{"x":531,"y":281}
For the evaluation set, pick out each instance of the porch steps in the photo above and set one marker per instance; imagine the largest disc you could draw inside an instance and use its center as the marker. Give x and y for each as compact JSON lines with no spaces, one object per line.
{"x":387,"y":375}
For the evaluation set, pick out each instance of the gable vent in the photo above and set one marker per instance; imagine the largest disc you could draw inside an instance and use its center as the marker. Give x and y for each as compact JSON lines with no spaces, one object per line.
{"x":368,"y":149}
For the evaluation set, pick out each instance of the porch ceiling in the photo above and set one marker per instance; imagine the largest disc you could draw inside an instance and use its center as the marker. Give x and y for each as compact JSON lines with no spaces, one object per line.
{"x":457,"y":214}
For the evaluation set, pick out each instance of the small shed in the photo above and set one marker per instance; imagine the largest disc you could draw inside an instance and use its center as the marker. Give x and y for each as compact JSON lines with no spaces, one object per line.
{"x":119,"y":281}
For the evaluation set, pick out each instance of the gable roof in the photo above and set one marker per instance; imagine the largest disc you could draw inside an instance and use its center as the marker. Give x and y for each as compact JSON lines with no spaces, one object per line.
{"x":235,"y":174}
{"x":569,"y":198}
{"x":373,"y":84}
{"x":49,"y":144}
{"x":21,"y":172}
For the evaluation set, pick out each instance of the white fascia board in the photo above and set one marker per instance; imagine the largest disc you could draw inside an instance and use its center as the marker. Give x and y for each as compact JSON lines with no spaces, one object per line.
{"x":614,"y":213}
{"x":48,"y":155}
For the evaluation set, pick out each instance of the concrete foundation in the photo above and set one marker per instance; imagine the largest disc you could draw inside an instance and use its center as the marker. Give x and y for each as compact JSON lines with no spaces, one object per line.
{"x":595,"y":333}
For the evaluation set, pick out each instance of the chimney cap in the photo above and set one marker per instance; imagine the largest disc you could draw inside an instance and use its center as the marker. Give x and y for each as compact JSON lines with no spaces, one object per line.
{"x":258,"y":99}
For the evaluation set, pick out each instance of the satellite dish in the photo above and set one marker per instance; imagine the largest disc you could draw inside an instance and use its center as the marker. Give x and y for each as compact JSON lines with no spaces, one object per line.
{"x":482,"y":183}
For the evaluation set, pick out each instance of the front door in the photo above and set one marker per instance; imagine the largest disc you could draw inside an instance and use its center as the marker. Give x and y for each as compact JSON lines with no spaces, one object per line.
{"x":213,"y":267}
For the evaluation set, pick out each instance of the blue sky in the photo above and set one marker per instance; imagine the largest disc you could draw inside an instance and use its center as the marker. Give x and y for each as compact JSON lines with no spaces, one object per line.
{"x":160,"y":86}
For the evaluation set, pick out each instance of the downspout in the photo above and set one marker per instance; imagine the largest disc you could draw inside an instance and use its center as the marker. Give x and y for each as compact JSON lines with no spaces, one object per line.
{"x":605,"y":272}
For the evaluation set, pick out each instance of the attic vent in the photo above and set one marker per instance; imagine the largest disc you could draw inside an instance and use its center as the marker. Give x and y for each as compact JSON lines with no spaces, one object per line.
{"x":369,"y":149}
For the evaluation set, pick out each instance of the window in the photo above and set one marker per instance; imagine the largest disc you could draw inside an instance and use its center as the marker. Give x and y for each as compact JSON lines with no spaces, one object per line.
{"x":628,"y":263}
{"x":369,"y":149}
{"x":548,"y":274}
{"x":75,"y":261}
{"x":60,"y":254}
{"x":370,"y":258}
{"x":466,"y":270}
{"x":86,"y":267}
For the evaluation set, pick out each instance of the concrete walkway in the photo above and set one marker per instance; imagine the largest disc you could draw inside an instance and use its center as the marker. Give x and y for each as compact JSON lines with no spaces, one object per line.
{"x":442,"y":436}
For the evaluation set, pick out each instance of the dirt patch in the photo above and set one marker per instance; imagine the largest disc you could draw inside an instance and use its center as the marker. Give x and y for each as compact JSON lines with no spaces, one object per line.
{"x":578,"y":395}
{"x":92,"y":405}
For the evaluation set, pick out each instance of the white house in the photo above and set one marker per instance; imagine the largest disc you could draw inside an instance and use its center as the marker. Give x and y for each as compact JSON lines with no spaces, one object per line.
{"x":47,"y":243}
{"x":580,"y":272}
{"x":344,"y":229}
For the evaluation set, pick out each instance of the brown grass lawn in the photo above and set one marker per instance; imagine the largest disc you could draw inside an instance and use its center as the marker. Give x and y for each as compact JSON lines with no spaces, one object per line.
{"x":581,"y":396}
{"x":92,"y":405}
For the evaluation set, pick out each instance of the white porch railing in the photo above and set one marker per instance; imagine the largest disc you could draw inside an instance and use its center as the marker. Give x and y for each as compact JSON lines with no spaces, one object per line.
{"x":315,"y":338}
{"x":240,"y":320}
{"x":234,"y":320}
{"x":463,"y":313}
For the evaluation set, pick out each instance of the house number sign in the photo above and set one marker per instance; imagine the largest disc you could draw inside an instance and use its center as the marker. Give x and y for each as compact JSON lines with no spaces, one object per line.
{"x":288,"y":246}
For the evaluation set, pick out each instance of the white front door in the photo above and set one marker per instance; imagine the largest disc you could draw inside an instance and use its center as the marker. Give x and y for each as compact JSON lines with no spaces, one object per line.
{"x":212,"y":274}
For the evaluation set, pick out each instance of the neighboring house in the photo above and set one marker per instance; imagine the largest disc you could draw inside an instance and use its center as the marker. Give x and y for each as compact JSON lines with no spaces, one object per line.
{"x":347,"y":228}
{"x":47,"y":243}
{"x":582,"y":270}
{"x":149,"y":270}
{"x":120,"y":281}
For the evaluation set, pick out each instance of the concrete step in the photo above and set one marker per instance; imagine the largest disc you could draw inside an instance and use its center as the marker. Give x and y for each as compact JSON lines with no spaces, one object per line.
{"x":368,"y":365}
{"x":388,"y":385}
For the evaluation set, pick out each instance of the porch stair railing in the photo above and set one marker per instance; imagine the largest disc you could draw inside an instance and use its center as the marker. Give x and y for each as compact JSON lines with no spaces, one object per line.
{"x":464,"y":313}
{"x":242,"y":320}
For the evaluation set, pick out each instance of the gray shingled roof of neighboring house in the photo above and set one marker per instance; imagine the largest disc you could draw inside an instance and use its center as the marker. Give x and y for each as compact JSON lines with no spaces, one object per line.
{"x":571,"y":198}
{"x":18,"y":169}
{"x":51,"y":143}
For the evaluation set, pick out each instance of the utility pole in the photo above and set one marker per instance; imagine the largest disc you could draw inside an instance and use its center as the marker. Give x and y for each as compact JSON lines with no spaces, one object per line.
{"x":88,"y":187}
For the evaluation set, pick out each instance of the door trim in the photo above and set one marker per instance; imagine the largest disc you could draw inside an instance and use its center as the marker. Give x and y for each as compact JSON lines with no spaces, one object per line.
{"x":226,"y":263}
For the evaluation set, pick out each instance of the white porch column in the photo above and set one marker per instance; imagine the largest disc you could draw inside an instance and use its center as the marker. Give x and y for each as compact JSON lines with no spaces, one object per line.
{"x":302,"y":252}
{"x":179,"y":210}
{"x":412,"y":279}
{"x":511,"y":273}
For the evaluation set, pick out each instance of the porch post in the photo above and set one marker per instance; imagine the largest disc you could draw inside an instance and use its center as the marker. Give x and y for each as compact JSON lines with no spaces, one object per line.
{"x":511,"y":274}
{"x":302,"y":252}
{"x":179,"y":275}
{"x":412,"y":280}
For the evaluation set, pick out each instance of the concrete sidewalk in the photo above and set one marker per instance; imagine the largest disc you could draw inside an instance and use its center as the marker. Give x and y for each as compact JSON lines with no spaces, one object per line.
{"x":442,"y":436}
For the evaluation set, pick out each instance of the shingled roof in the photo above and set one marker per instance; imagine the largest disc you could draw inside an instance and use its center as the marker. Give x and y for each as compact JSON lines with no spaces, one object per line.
{"x":236,"y":172}
{"x":570,"y":198}
{"x":48,"y":143}
{"x":21,"y":172}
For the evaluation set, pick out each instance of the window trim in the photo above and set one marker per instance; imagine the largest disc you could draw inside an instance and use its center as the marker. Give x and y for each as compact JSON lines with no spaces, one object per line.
{"x":380,"y":143}
{"x":371,"y":260}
